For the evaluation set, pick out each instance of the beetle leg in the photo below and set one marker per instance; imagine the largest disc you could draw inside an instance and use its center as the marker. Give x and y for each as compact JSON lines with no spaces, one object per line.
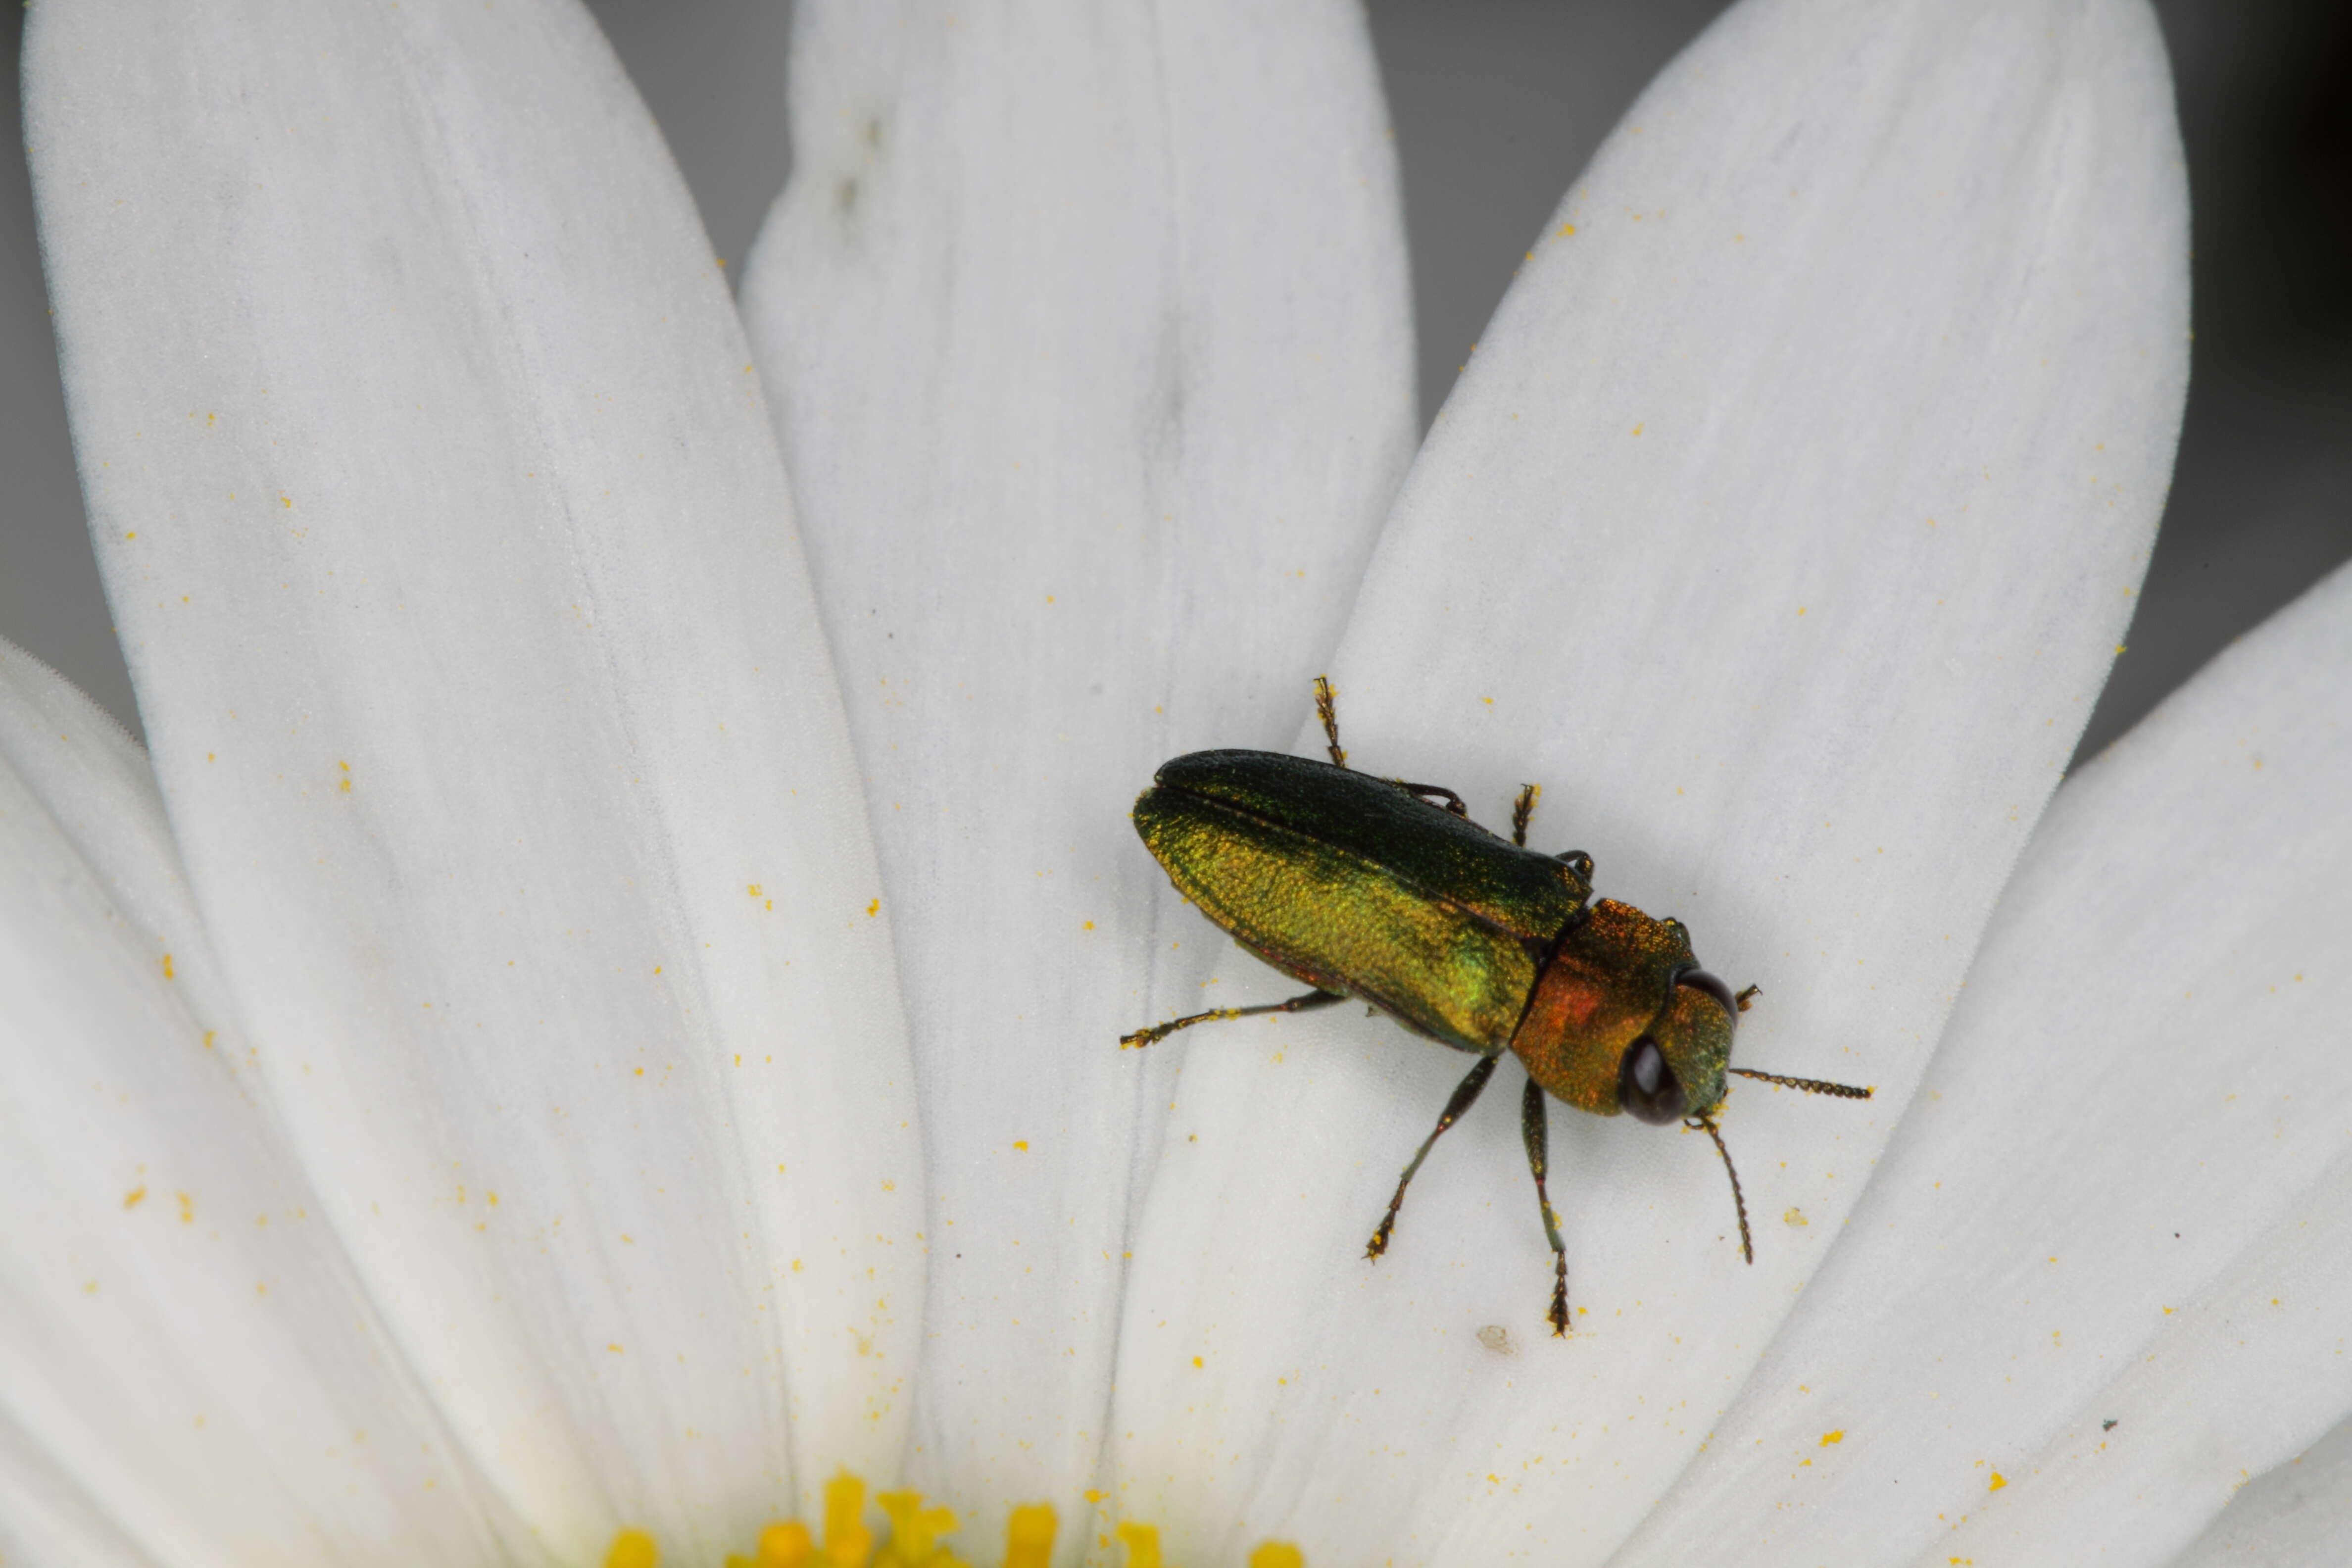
{"x":1522,"y":810}
{"x":1747,"y":998}
{"x":1465,"y":1094}
{"x":1327,"y":708}
{"x":1159,"y":1032}
{"x":1436,"y":793}
{"x":1532,"y":1129}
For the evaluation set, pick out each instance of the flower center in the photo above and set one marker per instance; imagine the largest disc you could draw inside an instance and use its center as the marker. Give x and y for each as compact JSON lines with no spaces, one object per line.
{"x":913,"y":1538}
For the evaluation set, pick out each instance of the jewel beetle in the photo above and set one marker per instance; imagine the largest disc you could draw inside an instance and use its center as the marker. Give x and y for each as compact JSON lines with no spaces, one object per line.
{"x":1386,"y":892}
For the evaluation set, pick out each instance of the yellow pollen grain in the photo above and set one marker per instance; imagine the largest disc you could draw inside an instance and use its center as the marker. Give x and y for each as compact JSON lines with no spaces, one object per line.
{"x":167,"y":966}
{"x":875,"y":908}
{"x":1836,"y":1437}
{"x":1278,"y":1555}
{"x":134,"y":1197}
{"x":1999,"y":1481}
{"x":1022,"y":1144}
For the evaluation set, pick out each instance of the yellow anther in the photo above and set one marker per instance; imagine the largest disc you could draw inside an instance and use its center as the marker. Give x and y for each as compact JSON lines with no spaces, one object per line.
{"x":1029,"y":1536}
{"x":1030,"y":1531}
{"x":632,"y":1549}
{"x":1142,"y":1543}
{"x":845,"y":1504}
{"x":915,"y":1530}
{"x":785,"y":1545}
{"x":847,"y":1543}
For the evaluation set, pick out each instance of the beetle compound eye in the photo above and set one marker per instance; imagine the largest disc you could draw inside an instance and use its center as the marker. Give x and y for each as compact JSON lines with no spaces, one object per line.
{"x":1700,"y":980}
{"x":1646,"y":1085}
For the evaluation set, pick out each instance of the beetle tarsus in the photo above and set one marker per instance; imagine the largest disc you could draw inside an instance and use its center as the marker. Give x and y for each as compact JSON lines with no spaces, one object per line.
{"x":1535,"y":1131}
{"x":1159,"y":1032}
{"x":1327,"y":708}
{"x":1466,"y":1095}
{"x":1523,"y":810}
{"x":1747,"y":998}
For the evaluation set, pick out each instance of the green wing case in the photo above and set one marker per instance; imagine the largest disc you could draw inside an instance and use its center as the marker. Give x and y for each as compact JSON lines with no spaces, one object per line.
{"x":1348,"y":883}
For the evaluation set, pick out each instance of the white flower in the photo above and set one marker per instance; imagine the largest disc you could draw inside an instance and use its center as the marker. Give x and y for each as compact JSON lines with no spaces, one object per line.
{"x":481,"y":1119}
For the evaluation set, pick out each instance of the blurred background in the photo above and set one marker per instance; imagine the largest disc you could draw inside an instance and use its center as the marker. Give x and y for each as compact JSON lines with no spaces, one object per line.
{"x":1498,"y":104}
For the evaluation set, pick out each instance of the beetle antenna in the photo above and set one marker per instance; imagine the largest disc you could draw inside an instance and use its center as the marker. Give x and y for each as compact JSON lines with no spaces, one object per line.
{"x":1738,"y":1200}
{"x":1327,"y":708}
{"x":1809,"y":1085}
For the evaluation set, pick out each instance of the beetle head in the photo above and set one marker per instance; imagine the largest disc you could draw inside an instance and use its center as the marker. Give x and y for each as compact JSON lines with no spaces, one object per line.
{"x":1674,"y":1068}
{"x":1623,"y":1020}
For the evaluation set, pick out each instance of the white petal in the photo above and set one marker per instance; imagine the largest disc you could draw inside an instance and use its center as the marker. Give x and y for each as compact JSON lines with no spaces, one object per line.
{"x":2297,"y":1516}
{"x":457,"y":570}
{"x":189,"y":1371}
{"x":46,"y":1521}
{"x":1782,"y":530}
{"x":2125,"y":1191}
{"x":1087,"y":338}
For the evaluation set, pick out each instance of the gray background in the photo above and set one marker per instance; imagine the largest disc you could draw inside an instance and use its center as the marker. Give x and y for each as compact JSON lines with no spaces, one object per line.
{"x":1498,"y":104}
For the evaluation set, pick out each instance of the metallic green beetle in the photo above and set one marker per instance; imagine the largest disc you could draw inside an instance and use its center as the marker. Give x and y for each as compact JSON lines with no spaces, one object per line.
{"x":1362,"y":886}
